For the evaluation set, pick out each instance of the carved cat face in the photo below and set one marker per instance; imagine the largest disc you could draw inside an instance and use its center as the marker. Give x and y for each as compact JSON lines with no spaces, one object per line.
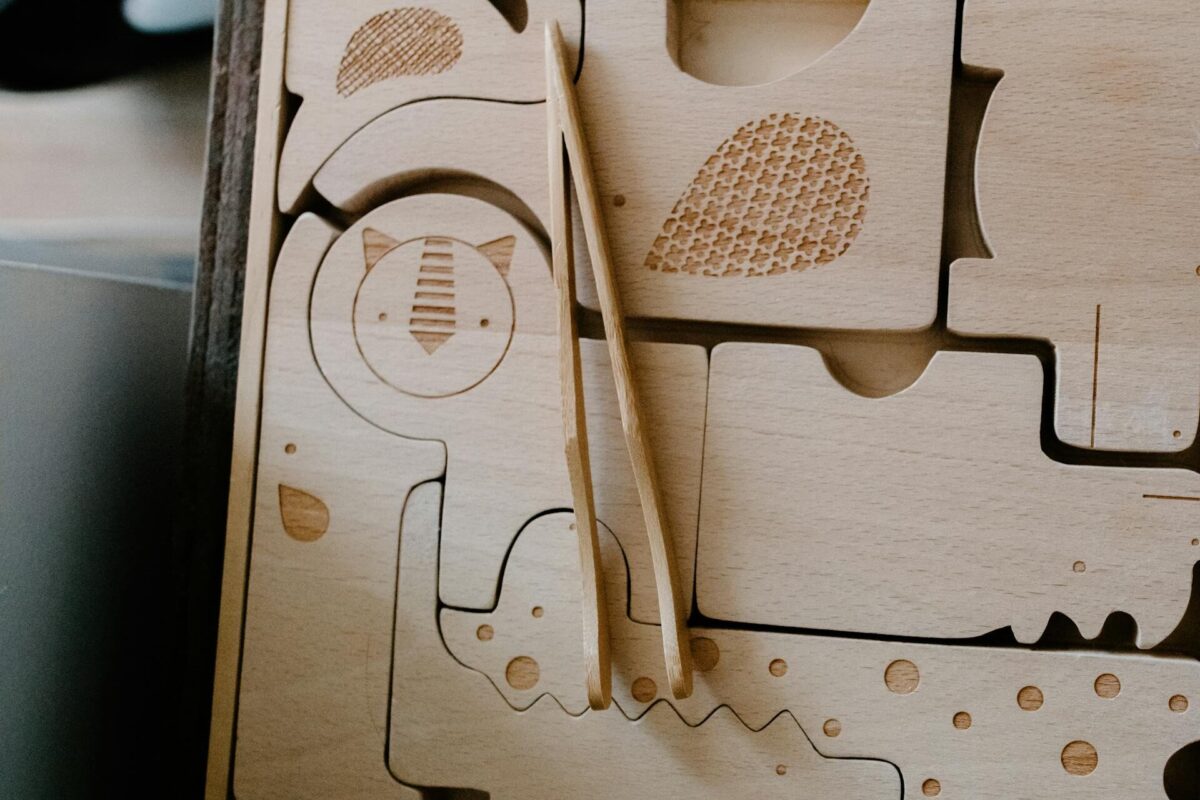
{"x":433,"y":316}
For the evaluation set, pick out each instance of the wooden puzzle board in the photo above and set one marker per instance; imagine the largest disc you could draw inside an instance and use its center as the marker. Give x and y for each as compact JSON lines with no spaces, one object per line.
{"x":926,"y":507}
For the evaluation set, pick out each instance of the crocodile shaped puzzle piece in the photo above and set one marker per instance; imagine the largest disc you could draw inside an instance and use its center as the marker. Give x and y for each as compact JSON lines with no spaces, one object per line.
{"x":956,"y":718}
{"x":592,"y":755}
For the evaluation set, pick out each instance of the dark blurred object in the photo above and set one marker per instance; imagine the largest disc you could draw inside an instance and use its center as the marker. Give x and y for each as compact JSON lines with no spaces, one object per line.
{"x":199,"y":533}
{"x":58,"y":44}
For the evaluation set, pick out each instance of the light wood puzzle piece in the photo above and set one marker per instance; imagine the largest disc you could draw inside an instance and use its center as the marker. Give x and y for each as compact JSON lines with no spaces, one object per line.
{"x":312,"y":707}
{"x":449,"y":727}
{"x":492,"y":144}
{"x":434,"y":317}
{"x":931,"y":513}
{"x":352,"y":61}
{"x":958,"y":722}
{"x":1087,"y":176}
{"x":812,"y":200}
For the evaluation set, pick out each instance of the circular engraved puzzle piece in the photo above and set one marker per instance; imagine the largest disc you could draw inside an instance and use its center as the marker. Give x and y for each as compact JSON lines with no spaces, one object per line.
{"x":434,"y":307}
{"x":433,"y":316}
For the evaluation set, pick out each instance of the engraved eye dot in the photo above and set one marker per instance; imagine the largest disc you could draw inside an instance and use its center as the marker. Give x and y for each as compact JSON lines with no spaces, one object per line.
{"x":778,"y":667}
{"x":289,"y":448}
{"x":483,"y":323}
{"x":484,"y":633}
{"x":1079,"y":566}
{"x":537,"y":612}
{"x":383,"y":316}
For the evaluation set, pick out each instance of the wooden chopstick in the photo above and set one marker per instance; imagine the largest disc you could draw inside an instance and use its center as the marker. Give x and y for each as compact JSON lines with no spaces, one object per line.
{"x":597,"y":657}
{"x":676,"y":646}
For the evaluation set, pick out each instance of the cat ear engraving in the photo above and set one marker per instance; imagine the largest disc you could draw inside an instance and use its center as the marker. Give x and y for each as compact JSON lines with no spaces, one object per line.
{"x":500,"y":253}
{"x":376,"y":245}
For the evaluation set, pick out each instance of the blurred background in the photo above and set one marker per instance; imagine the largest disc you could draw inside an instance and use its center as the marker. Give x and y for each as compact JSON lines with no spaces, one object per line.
{"x":103,"y":121}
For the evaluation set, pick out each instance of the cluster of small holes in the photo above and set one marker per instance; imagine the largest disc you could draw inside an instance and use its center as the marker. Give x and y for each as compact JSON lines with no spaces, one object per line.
{"x":1079,"y":758}
{"x":780,"y":195}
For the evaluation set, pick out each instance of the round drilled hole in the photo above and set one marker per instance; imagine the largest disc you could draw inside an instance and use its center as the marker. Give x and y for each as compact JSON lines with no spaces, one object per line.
{"x":522,"y":673}
{"x":1080,"y":758}
{"x":902,"y":676}
{"x":1108,"y":686}
{"x":1030,"y":698}
{"x":705,"y":653}
{"x":644,"y":690}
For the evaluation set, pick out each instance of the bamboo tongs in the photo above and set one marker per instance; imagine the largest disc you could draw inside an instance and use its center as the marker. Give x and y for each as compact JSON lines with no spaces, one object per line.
{"x":564,"y":126}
